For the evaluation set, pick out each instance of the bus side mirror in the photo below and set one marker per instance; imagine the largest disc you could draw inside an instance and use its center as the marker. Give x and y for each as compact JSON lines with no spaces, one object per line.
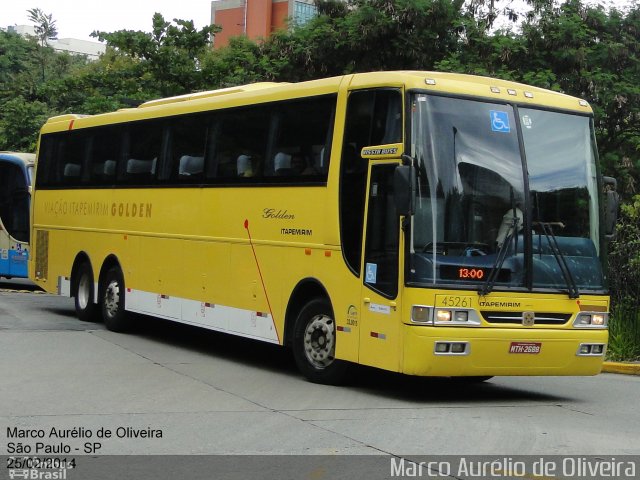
{"x":404,"y":187}
{"x":611,"y":206}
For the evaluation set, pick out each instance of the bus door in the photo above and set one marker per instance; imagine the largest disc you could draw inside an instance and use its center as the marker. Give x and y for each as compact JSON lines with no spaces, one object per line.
{"x":380,"y":342}
{"x":14,"y":215}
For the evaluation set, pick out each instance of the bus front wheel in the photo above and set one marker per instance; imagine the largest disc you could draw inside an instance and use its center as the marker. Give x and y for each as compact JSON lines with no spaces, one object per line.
{"x":112,"y":301}
{"x":314,"y":344}
{"x":86,"y":309}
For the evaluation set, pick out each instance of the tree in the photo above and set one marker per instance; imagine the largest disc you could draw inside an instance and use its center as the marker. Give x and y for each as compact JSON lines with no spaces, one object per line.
{"x":624,"y":263}
{"x":170,"y":54}
{"x":17,"y":65}
{"x":45,"y":28}
{"x":26,"y":100}
{"x":20,"y":122}
{"x":45,"y":25}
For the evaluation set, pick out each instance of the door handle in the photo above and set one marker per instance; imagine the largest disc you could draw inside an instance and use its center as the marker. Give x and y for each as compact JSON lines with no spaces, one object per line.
{"x":366,"y":300}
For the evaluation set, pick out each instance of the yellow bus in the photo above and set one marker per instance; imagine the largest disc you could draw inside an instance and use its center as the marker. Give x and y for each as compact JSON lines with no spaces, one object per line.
{"x":16,"y":174}
{"x":426,"y":223}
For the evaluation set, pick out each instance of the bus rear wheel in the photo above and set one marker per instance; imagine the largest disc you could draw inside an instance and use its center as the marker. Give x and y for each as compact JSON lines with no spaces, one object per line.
{"x":112,"y":298}
{"x":86,"y":309}
{"x":314,"y":344}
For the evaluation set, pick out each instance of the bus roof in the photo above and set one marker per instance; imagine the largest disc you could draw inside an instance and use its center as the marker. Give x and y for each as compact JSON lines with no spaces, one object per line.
{"x":437,"y":82}
{"x":19,"y":157}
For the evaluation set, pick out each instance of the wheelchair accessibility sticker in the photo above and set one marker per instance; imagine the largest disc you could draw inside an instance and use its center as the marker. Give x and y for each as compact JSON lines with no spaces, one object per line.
{"x":371,"y":273}
{"x":500,"y":121}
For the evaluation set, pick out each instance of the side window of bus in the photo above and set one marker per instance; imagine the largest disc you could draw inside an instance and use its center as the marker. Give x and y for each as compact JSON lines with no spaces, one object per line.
{"x":302,"y":137}
{"x":14,"y":201}
{"x":241,"y":143}
{"x":143,"y":148}
{"x":69,"y":154}
{"x":187,"y":144}
{"x":374,"y":117}
{"x":45,"y":160}
{"x":106,"y":150}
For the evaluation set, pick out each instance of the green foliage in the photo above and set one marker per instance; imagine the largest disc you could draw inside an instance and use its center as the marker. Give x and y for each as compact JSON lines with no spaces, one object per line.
{"x":624,"y":267}
{"x":242,"y":62}
{"x":19,"y":120}
{"x":45,"y":29}
{"x":26,"y":100}
{"x":169,"y":54}
{"x":45,"y":25}
{"x":624,"y":334}
{"x":17,"y":64}
{"x":368,"y":35}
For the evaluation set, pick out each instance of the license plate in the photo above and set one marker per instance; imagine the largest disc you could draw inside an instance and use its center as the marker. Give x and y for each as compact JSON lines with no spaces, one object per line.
{"x":525,"y":347}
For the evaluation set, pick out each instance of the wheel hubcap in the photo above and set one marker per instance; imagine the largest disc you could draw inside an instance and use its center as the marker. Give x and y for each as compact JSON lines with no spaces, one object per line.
{"x":84,"y":289}
{"x":112,"y":298}
{"x":320,"y":341}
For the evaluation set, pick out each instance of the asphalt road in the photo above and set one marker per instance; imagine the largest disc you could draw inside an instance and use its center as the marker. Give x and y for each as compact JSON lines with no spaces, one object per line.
{"x":199,"y":392}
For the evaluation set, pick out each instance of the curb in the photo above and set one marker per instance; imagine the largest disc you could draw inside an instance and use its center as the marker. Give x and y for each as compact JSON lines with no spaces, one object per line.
{"x":623,"y":368}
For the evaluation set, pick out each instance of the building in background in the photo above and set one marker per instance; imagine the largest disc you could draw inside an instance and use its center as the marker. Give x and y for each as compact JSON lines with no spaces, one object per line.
{"x":257,"y":18}
{"x":74,"y":46}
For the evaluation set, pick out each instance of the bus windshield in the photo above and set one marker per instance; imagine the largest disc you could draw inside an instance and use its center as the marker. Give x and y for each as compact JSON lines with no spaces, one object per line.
{"x":480,"y":220}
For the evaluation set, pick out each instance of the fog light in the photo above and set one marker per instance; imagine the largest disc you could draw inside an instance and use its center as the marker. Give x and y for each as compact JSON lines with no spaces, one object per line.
{"x":597,"y":319}
{"x":443,"y":315}
{"x":585,"y":349}
{"x":442,"y":347}
{"x":597,"y":349}
{"x":420,"y":314}
{"x":458,"y":347}
{"x":461,"y":316}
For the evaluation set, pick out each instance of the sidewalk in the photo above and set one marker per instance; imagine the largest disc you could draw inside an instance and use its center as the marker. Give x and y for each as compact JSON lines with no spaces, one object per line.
{"x":627,"y":368}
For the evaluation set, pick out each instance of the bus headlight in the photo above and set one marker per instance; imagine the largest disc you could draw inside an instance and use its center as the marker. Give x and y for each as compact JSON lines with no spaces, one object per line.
{"x":461,"y":316}
{"x":443,"y":316}
{"x":421,"y":314}
{"x":591,"y":320}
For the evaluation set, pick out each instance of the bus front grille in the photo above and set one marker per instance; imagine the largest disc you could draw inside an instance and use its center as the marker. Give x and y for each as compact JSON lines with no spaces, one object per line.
{"x":515,"y":318}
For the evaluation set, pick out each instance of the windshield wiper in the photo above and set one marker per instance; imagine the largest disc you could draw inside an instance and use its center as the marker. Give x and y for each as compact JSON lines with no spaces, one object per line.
{"x":489,"y":283}
{"x":560,"y":258}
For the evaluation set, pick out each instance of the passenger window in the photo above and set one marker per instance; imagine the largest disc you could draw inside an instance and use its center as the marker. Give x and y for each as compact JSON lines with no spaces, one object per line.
{"x":187,"y":144}
{"x":241,"y":143}
{"x":68,"y":163}
{"x":144,"y":145}
{"x":106,"y":148}
{"x":302,"y":133}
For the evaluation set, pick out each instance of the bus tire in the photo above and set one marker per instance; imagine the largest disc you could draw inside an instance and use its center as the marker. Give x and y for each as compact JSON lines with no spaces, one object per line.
{"x":86,"y":309}
{"x":314,"y":344}
{"x":112,"y":298}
